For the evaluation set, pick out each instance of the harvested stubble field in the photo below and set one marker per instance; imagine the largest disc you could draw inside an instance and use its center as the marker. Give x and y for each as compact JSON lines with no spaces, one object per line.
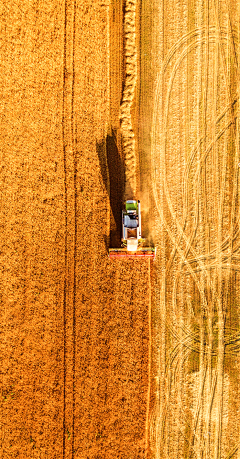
{"x":101,"y":101}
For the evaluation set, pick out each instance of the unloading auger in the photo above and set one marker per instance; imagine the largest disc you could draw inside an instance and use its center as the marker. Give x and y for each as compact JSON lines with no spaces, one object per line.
{"x":132,"y":241}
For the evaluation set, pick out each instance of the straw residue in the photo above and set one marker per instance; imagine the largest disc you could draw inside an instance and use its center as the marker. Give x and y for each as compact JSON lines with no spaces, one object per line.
{"x":128,"y":97}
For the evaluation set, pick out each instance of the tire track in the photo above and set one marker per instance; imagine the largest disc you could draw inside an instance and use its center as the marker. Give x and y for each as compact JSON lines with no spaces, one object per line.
{"x":190,"y":245}
{"x":205,"y":445}
{"x":73,"y":141}
{"x":70,"y":167}
{"x":179,"y":227}
{"x":66,"y":221}
{"x":181,"y":232}
{"x":221,"y":349}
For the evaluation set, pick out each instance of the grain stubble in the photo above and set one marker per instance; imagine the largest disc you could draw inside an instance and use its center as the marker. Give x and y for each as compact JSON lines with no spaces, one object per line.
{"x":194,"y":166}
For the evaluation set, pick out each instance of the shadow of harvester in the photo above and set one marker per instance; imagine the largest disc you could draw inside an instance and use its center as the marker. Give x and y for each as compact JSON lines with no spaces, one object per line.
{"x":113,"y":174}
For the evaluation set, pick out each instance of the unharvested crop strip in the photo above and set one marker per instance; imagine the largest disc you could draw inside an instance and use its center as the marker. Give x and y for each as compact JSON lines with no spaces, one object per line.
{"x":128,"y":95}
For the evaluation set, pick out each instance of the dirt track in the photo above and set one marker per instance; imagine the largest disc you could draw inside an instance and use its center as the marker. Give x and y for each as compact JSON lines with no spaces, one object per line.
{"x":77,"y":330}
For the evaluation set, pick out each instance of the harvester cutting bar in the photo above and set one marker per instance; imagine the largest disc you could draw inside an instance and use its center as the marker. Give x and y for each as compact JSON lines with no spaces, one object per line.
{"x":123,"y":253}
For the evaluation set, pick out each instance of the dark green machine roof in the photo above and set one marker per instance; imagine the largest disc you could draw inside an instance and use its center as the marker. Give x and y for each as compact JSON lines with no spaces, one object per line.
{"x":132,"y":206}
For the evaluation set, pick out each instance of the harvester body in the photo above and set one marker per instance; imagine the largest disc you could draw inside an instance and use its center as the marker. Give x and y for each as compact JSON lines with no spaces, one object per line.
{"x":131,"y":225}
{"x":132,"y":234}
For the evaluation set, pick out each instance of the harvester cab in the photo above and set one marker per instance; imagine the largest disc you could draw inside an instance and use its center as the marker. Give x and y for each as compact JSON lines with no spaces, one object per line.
{"x":131,"y":225}
{"x":132,"y":240}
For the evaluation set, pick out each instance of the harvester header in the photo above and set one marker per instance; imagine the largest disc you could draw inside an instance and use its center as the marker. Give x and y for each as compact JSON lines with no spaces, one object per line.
{"x":132,"y":241}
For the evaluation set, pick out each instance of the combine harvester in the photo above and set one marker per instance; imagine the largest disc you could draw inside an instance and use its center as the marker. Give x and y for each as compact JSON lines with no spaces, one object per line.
{"x":132,"y":235}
